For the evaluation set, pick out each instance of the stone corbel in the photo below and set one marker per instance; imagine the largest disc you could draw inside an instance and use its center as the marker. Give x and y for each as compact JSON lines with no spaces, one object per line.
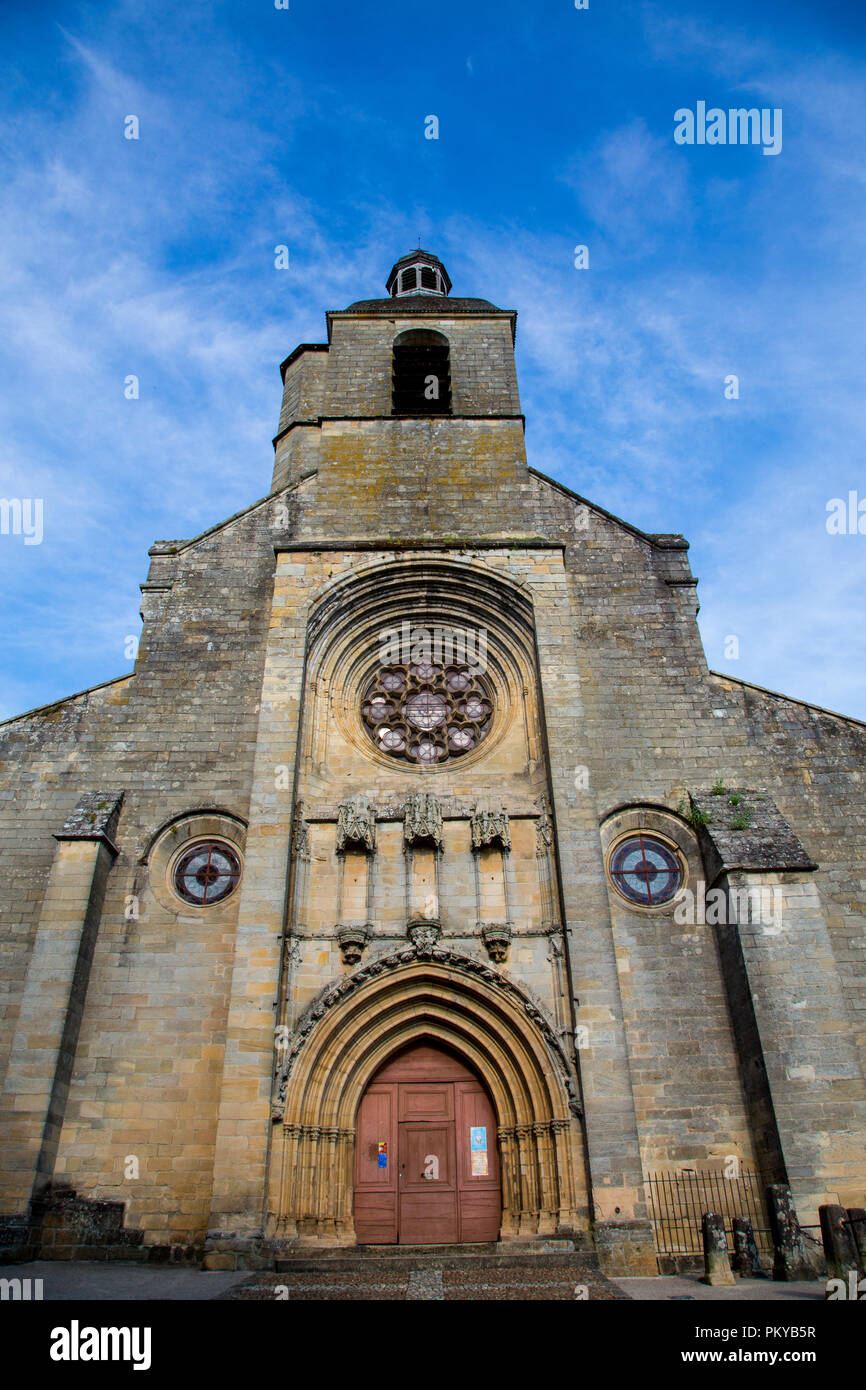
{"x":497,"y":939}
{"x":424,"y":934}
{"x":353,"y":941}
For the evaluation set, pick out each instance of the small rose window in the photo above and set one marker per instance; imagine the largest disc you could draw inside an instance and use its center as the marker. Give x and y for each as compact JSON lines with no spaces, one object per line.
{"x":645,"y":870}
{"x":427,"y":713}
{"x":207,"y":873}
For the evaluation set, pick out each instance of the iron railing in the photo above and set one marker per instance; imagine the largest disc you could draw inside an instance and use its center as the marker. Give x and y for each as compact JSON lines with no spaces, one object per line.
{"x":679,"y":1200}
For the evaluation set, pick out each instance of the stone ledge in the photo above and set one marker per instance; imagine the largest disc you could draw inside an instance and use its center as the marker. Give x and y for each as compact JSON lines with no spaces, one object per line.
{"x":765,"y":844}
{"x":94,"y":817}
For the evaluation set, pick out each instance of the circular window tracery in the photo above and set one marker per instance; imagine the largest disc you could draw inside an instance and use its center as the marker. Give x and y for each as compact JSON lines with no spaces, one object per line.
{"x":207,"y":873}
{"x":426,"y":713}
{"x":645,"y":870}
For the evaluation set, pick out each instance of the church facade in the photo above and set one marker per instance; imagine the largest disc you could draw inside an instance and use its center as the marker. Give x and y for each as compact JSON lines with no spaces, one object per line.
{"x":421,"y":885}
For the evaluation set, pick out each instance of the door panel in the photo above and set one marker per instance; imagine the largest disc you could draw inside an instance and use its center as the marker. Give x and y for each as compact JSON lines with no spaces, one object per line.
{"x":375,"y":1182}
{"x":480,"y":1200}
{"x":425,"y":1100}
{"x":428,"y":1187}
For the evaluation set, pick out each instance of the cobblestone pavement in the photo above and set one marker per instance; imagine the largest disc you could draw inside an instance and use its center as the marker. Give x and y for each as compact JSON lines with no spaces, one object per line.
{"x":437,"y":1280}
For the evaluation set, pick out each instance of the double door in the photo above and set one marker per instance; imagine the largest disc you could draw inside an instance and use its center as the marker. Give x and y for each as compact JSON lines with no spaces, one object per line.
{"x":426,"y":1166}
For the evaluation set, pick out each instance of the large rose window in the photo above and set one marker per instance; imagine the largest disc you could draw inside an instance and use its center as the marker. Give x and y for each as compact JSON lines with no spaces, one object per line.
{"x":426,"y":713}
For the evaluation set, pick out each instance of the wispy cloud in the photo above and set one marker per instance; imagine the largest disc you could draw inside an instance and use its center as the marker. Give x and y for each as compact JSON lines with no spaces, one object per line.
{"x":155,"y":258}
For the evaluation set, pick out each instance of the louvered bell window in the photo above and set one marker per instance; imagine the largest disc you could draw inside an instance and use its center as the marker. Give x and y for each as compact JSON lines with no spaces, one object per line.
{"x":421,"y":375}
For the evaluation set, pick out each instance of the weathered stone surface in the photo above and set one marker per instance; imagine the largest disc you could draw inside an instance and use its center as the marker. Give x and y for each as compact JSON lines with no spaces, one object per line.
{"x":717,"y":1266}
{"x":95,"y":816}
{"x":840,"y":1247}
{"x":677,"y":1045}
{"x":746,"y":1260}
{"x":792,"y":1260}
{"x":746,"y":831}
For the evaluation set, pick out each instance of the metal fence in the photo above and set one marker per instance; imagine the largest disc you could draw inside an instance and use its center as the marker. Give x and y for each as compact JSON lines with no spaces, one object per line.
{"x":679,"y":1200}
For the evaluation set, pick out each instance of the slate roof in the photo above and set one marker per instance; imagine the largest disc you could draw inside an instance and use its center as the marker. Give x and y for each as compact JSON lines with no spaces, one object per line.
{"x":422,"y":304}
{"x":434,"y":304}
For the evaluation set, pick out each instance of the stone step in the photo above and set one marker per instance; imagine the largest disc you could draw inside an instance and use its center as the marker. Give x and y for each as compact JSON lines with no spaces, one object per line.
{"x":541,"y":1246}
{"x":441,"y":1257}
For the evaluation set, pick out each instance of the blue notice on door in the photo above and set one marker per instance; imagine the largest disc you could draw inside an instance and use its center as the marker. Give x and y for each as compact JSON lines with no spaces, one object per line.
{"x":478,"y":1138}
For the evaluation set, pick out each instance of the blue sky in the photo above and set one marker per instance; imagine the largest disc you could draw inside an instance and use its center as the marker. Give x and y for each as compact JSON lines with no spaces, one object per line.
{"x":305,"y":127}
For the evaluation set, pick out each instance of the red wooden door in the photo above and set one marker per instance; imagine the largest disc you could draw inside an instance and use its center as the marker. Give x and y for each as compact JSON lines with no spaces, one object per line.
{"x":426,"y":1165}
{"x":376,"y":1167}
{"x":427,"y":1176}
{"x":477,"y":1164}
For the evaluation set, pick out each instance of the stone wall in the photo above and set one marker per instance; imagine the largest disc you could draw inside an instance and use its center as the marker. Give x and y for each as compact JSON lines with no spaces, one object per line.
{"x":240,"y":708}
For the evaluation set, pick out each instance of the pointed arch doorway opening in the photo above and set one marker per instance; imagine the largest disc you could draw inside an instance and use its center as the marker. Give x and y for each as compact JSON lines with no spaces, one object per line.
{"x":426,"y":1159}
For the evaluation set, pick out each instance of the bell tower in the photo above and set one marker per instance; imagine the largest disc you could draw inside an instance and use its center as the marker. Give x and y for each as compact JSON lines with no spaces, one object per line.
{"x":407,"y":414}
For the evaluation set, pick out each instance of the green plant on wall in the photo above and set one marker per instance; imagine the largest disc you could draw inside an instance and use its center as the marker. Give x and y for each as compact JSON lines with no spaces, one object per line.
{"x":693,"y":814}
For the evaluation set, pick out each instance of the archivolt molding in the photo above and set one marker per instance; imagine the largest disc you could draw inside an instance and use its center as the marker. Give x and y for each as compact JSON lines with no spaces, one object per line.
{"x":409,"y":956}
{"x":405,"y":997}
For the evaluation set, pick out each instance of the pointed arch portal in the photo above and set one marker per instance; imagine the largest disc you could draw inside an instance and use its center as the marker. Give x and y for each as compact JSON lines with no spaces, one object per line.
{"x":484,"y":1022}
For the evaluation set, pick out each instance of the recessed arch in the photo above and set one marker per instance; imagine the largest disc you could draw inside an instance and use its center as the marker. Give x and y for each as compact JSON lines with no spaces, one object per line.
{"x":421,"y":373}
{"x":486,"y":1020}
{"x":348,"y":621}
